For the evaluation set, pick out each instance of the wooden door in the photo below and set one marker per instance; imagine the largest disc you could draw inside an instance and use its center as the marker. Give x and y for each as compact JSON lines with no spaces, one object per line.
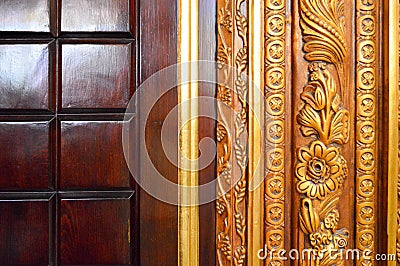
{"x":67,"y":72}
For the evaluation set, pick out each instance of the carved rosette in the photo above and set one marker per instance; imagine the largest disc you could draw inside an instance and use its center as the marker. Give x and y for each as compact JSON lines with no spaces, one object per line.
{"x":321,"y":169}
{"x":232,"y":141}
{"x":366,"y":85}
{"x":275,"y":81}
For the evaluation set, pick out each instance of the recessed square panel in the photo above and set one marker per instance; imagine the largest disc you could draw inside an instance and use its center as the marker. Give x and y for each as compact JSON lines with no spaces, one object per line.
{"x":24,"y":233}
{"x":95,"y":15}
{"x":92,"y":155}
{"x":25,"y":76}
{"x":25,"y":15}
{"x":96,"y":75}
{"x":95,"y":232}
{"x":25,"y":155}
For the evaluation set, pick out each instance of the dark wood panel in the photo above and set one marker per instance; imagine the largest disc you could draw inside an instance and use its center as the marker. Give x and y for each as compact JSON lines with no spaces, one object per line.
{"x":96,"y":75}
{"x":25,"y":73}
{"x":158,"y":49}
{"x":25,"y":15}
{"x":207,"y":129}
{"x":92,"y":156}
{"x":96,"y":15}
{"x":95,"y":232}
{"x":25,"y":158}
{"x":24,"y":233}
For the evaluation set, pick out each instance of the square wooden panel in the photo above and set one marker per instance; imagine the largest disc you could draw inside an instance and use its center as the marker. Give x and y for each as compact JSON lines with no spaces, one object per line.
{"x":96,"y":15}
{"x":25,"y":15}
{"x":25,"y":76}
{"x":96,"y":76}
{"x":24,"y":233}
{"x":25,"y":157}
{"x":92,"y":155}
{"x":95,"y":232}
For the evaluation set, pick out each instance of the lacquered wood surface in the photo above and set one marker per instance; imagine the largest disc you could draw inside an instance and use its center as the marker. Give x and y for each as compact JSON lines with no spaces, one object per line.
{"x":25,"y":160}
{"x":96,"y":15}
{"x":25,"y":15}
{"x":24,"y":231}
{"x":95,"y":232}
{"x":96,"y":75}
{"x":25,"y":76}
{"x":62,"y":100}
{"x":96,"y":149}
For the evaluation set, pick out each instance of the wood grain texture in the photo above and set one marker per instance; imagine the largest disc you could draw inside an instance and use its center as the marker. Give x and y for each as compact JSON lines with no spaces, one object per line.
{"x":95,"y":232}
{"x":207,"y":129}
{"x":19,"y":245}
{"x":96,"y":75}
{"x":91,"y":155}
{"x":25,"y":160}
{"x":97,"y":15}
{"x":25,"y":76}
{"x":158,"y":49}
{"x":25,"y":15}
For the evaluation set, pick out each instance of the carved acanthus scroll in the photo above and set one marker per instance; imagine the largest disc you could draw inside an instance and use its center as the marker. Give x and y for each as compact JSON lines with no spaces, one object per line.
{"x":321,"y":169}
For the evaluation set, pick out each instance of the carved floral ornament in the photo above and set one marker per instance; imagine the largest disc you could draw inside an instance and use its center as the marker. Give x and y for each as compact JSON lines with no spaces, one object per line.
{"x":321,"y":169}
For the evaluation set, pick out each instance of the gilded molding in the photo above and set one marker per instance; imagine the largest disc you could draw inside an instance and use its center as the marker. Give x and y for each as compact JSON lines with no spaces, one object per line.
{"x":366,"y":113}
{"x":321,"y":169}
{"x":232,"y":146}
{"x":274,"y":90}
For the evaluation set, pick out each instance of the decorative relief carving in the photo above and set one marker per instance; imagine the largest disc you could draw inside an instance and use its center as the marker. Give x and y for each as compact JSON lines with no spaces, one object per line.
{"x":366,"y":126}
{"x":321,"y":169}
{"x":275,"y":87}
{"x":232,"y":146}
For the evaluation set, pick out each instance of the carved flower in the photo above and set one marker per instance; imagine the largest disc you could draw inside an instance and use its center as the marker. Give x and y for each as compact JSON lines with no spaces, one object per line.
{"x":275,"y":186}
{"x":225,"y":19}
{"x":276,"y":78}
{"x":275,"y":104}
{"x":332,"y":219}
{"x":224,"y":94}
{"x":276,"y":159}
{"x":319,"y":240}
{"x":367,"y":213}
{"x":368,"y":25}
{"x":367,"y":186}
{"x":276,"y":24}
{"x":275,"y":240}
{"x":368,"y":78}
{"x":276,"y":131}
{"x":368,"y":2}
{"x":367,"y":159}
{"x":368,"y":51}
{"x":276,"y":51}
{"x":318,"y":170}
{"x":276,"y":213}
{"x":367,"y":132}
{"x":366,"y":239}
{"x":276,"y":2}
{"x":367,"y":105}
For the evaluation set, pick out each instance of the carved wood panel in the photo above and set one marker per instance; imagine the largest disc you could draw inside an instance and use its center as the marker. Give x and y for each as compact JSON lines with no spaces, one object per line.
{"x":322,"y":77}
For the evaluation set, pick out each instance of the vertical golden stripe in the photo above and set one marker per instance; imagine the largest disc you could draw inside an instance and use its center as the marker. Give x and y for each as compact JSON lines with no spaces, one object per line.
{"x":367,"y":38}
{"x":275,"y":73}
{"x":188,"y":213}
{"x":256,"y":113}
{"x":393,"y":126}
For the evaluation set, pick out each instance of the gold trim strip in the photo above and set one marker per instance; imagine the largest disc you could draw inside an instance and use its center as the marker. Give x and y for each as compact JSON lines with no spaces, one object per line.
{"x":275,"y":79}
{"x":256,"y":114}
{"x":367,"y":13}
{"x":188,"y":215}
{"x":393,"y":126}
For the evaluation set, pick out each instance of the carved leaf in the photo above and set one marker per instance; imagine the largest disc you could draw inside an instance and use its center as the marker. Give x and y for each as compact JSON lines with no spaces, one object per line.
{"x":310,"y":121}
{"x":309,"y":219}
{"x":322,"y":27}
{"x":340,"y":127}
{"x":314,"y":96}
